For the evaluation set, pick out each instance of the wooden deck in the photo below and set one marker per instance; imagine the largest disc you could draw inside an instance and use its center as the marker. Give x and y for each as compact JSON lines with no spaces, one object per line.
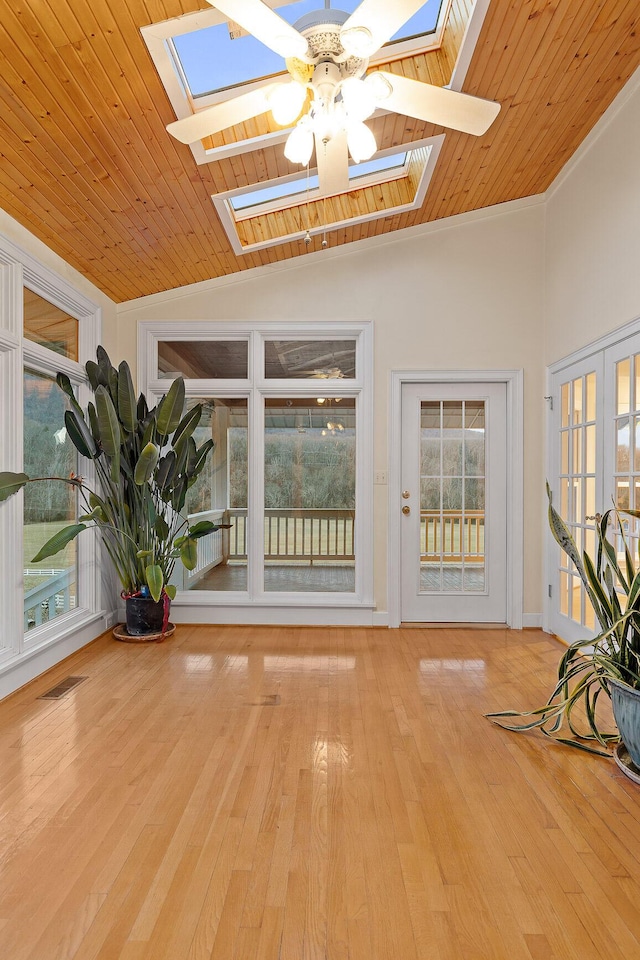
{"x":281,"y":793}
{"x":285,"y":577}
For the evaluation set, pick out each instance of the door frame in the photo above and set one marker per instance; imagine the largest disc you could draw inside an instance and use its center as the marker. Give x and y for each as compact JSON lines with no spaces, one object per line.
{"x":513,"y":379}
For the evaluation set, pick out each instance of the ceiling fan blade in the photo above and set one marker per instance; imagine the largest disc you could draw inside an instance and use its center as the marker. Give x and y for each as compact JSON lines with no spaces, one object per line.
{"x":447,"y":108}
{"x":266,"y":25}
{"x":380,"y":19}
{"x":333,"y":165}
{"x":220,"y":116}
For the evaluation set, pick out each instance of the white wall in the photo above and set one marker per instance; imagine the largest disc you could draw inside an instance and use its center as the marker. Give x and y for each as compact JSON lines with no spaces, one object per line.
{"x":464,"y":294}
{"x":592,"y":262}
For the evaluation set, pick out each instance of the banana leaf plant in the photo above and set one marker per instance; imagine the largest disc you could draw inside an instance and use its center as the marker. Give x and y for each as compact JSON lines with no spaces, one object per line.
{"x":145,"y":462}
{"x":612,"y":584}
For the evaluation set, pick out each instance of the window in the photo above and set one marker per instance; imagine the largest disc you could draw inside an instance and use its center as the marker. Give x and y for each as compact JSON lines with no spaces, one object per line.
{"x":289,"y":472}
{"x":45,"y":327}
{"x":50,"y":586}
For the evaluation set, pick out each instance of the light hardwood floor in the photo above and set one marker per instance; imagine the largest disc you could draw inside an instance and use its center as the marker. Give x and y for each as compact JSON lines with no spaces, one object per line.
{"x":300,"y":794}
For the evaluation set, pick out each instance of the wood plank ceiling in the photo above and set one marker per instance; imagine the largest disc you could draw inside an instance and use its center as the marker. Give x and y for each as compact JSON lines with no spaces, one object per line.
{"x":87,"y":165}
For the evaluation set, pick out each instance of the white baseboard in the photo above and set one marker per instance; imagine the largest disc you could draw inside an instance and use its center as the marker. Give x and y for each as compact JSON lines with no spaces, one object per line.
{"x":26,"y":667}
{"x":532,"y":621}
{"x":273,"y":615}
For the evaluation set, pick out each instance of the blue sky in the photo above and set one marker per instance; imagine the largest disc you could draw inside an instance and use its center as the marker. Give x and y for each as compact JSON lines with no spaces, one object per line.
{"x":212,"y":61}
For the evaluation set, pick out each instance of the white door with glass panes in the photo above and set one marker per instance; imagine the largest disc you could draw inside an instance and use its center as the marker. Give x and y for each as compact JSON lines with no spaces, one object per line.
{"x":453,"y":514}
{"x":576,"y":487}
{"x":595,"y":463}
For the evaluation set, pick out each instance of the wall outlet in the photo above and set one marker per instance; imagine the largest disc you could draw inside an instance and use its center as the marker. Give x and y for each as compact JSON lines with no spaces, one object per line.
{"x":380,"y":476}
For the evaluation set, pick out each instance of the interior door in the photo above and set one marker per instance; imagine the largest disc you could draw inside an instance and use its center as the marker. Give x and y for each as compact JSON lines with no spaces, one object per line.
{"x":453,"y":510}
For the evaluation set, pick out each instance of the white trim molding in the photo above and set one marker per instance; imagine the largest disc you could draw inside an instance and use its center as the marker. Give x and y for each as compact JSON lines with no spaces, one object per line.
{"x":513,"y":379}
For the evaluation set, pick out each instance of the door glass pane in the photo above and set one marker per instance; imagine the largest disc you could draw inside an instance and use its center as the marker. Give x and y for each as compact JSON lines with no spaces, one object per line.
{"x":49,"y":325}
{"x":220,"y":495}
{"x":623,"y":385}
{"x":452,"y":496}
{"x":203,"y":359}
{"x":577,"y":485}
{"x":309,"y":494}
{"x":309,"y":359}
{"x":49,"y":585}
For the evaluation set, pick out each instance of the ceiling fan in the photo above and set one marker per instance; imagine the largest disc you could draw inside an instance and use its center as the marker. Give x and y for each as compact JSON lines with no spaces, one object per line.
{"x":327,"y":54}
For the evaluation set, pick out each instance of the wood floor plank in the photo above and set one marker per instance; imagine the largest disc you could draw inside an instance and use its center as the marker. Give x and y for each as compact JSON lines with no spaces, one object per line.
{"x":309,"y":794}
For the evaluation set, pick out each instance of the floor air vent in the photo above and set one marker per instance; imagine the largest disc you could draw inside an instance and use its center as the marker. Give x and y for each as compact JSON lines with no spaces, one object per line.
{"x":62,"y":689}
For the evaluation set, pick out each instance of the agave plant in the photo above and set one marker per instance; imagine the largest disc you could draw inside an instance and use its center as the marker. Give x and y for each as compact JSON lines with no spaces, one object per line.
{"x":613,"y":588}
{"x":145,"y":461}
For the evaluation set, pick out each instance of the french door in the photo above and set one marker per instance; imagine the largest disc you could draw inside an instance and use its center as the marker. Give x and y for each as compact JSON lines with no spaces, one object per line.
{"x":594,"y":465}
{"x":453,"y":503}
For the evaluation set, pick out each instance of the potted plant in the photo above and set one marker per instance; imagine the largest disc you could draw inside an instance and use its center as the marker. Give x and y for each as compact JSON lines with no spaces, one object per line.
{"x":145,"y":461}
{"x":607,"y":665}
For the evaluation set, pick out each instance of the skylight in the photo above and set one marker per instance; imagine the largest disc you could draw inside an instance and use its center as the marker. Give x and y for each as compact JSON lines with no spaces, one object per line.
{"x":211,"y":61}
{"x":301,"y":184}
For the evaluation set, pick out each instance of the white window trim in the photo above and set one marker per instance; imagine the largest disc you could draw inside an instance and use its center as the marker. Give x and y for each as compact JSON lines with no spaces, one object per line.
{"x":257,"y":606}
{"x":20,"y":658}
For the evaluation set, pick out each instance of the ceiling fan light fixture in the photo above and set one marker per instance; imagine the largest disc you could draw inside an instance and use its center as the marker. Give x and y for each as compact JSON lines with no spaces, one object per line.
{"x":290,"y":46}
{"x":359,"y":98}
{"x":358,"y":42}
{"x":286,"y":101}
{"x":380,"y":87}
{"x":299,"y":145}
{"x":361,"y":142}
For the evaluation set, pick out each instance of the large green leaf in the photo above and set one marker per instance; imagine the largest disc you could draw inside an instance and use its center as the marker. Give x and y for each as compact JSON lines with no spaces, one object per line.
{"x":109,"y":426}
{"x":10,"y":483}
{"x":126,"y":398}
{"x":58,"y":541}
{"x":94,"y":374}
{"x":170,"y":408}
{"x":201,"y":459}
{"x":166,"y":470}
{"x":155,"y":580}
{"x":80,"y":434}
{"x":93,"y":421}
{"x":66,"y":386}
{"x":146,"y":464}
{"x":189,"y":553}
{"x":161,"y":528}
{"x":179,"y":494}
{"x":108,"y":422}
{"x":188,"y":423}
{"x":142,"y":410}
{"x":201,"y":529}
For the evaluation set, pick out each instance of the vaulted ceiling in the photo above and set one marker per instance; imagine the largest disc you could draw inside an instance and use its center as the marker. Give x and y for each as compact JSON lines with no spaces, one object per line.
{"x":87,"y":165}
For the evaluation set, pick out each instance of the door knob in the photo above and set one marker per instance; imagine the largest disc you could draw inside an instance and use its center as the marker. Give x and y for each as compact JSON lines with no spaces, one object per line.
{"x":406,"y":510}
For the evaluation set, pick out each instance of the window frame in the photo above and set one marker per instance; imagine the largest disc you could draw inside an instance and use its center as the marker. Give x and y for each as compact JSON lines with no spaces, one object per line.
{"x":260,"y":605}
{"x":20,"y":269}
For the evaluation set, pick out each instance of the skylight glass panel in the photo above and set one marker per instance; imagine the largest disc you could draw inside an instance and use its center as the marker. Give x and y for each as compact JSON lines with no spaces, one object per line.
{"x":299,"y":185}
{"x":212,"y":61}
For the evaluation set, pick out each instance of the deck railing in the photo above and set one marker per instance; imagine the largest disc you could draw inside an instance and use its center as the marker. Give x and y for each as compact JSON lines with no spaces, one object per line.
{"x":452,"y":536}
{"x":54,"y":596}
{"x":211,"y":549}
{"x":297,"y":535}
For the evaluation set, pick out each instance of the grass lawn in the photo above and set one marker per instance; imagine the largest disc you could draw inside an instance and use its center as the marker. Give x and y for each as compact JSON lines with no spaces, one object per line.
{"x":35,"y":535}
